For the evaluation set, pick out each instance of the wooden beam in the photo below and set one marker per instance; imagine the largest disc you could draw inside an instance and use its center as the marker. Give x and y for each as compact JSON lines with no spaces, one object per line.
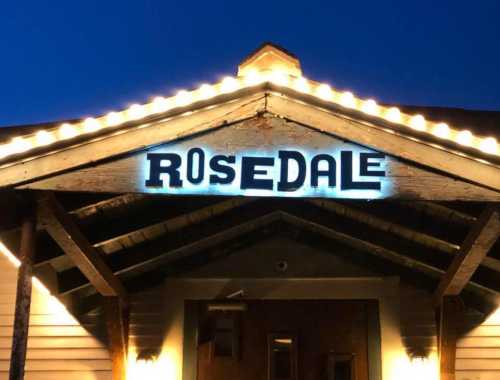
{"x":23,"y":299}
{"x":331,"y":119}
{"x":117,"y":316}
{"x":450,"y":317}
{"x":60,"y":225}
{"x":377,"y":250}
{"x":183,"y":123}
{"x":474,"y":249}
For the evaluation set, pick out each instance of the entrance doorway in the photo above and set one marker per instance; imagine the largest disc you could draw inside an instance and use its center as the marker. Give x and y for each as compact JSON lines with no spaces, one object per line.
{"x":284,"y":340}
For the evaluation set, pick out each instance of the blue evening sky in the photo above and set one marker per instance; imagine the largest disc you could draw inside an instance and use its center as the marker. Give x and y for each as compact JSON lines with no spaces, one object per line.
{"x":76,"y":58}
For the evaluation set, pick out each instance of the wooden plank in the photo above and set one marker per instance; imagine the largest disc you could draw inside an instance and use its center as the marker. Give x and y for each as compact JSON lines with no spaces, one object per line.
{"x":378,"y":138}
{"x":23,"y":299}
{"x":478,"y":353}
{"x":124,"y":141}
{"x":381,"y":224}
{"x":486,"y":364}
{"x":116,"y":315}
{"x":403,"y":180}
{"x":472,"y":252}
{"x":68,"y":236}
{"x":478,"y":375}
{"x":450,"y":312}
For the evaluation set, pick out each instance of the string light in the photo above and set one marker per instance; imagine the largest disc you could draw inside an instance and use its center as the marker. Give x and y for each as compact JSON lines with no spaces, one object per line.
{"x":464,"y":138}
{"x":324,"y":91}
{"x":393,"y":114}
{"x":206,"y":91}
{"x":114,"y":118}
{"x":418,"y":122}
{"x":489,"y":145}
{"x":44,"y":138}
{"x":347,"y":100}
{"x":229,"y":84}
{"x":302,"y":84}
{"x":91,"y":125}
{"x":370,"y":107}
{"x":136,"y":111}
{"x":19,"y":145}
{"x":67,"y":131}
{"x":441,"y":130}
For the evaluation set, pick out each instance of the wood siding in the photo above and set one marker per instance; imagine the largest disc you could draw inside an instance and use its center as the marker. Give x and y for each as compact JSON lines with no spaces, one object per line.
{"x":59,"y":348}
{"x":478,"y":351}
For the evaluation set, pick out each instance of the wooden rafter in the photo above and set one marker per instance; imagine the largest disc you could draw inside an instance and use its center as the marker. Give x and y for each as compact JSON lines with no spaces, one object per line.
{"x":474,"y":249}
{"x":398,"y":229}
{"x":172,"y":247}
{"x":60,"y":225}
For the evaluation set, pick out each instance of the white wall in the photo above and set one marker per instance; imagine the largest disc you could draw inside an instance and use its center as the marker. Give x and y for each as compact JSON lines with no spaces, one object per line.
{"x":59,"y":348}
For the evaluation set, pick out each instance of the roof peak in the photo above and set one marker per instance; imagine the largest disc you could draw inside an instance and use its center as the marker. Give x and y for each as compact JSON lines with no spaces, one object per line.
{"x":270,"y":56}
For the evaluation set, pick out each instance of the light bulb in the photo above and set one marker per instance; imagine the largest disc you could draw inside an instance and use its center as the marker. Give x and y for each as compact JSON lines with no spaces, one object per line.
{"x":347,"y":99}
{"x":206,"y":91}
{"x":67,"y":131}
{"x":393,"y":114}
{"x":324,"y":91}
{"x":464,"y":137}
{"x":91,"y":125}
{"x":114,"y":118}
{"x":136,"y":111}
{"x":441,"y":130}
{"x":418,"y":122}
{"x":229,"y":84}
{"x":370,"y":107}
{"x":44,"y":138}
{"x":489,"y":145}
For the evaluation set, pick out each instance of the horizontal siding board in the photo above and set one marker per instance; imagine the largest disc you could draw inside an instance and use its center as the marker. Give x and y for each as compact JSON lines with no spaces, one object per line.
{"x":465,"y":353}
{"x":61,"y":365}
{"x":67,"y":353}
{"x":486,"y":342}
{"x":478,"y":364}
{"x":59,"y":348}
{"x":477,"y":375}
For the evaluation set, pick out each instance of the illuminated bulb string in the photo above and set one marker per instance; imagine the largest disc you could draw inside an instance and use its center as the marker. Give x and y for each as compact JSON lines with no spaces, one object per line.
{"x":228,"y":85}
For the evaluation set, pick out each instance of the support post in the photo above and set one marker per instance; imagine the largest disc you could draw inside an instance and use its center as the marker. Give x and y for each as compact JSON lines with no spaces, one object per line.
{"x":450,"y":314}
{"x":23,"y":298}
{"x":116,"y":313}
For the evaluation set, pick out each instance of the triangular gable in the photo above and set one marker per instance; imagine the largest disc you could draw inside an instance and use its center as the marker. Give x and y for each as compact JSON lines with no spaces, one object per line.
{"x":265,"y":156}
{"x":263,"y":88}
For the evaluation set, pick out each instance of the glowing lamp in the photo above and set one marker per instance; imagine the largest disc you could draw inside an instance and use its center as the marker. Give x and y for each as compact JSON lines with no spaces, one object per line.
{"x":114,"y":118}
{"x":370,"y":107}
{"x":4,"y":150}
{"x":279,"y":78}
{"x":44,"y":138}
{"x":302,"y":84}
{"x":136,"y":111}
{"x":393,"y":114}
{"x":489,"y":145}
{"x":347,"y":99}
{"x":324,"y":91}
{"x":91,"y":125}
{"x":67,"y":131}
{"x":418,"y":122}
{"x":19,"y":145}
{"x":252,"y":78}
{"x":183,"y":98}
{"x":206,"y":91}
{"x":441,"y":130}
{"x":228,"y":84}
{"x":464,"y":137}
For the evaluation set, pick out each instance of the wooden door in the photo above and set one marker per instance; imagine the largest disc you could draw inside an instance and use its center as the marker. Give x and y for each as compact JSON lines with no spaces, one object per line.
{"x":313,"y":340}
